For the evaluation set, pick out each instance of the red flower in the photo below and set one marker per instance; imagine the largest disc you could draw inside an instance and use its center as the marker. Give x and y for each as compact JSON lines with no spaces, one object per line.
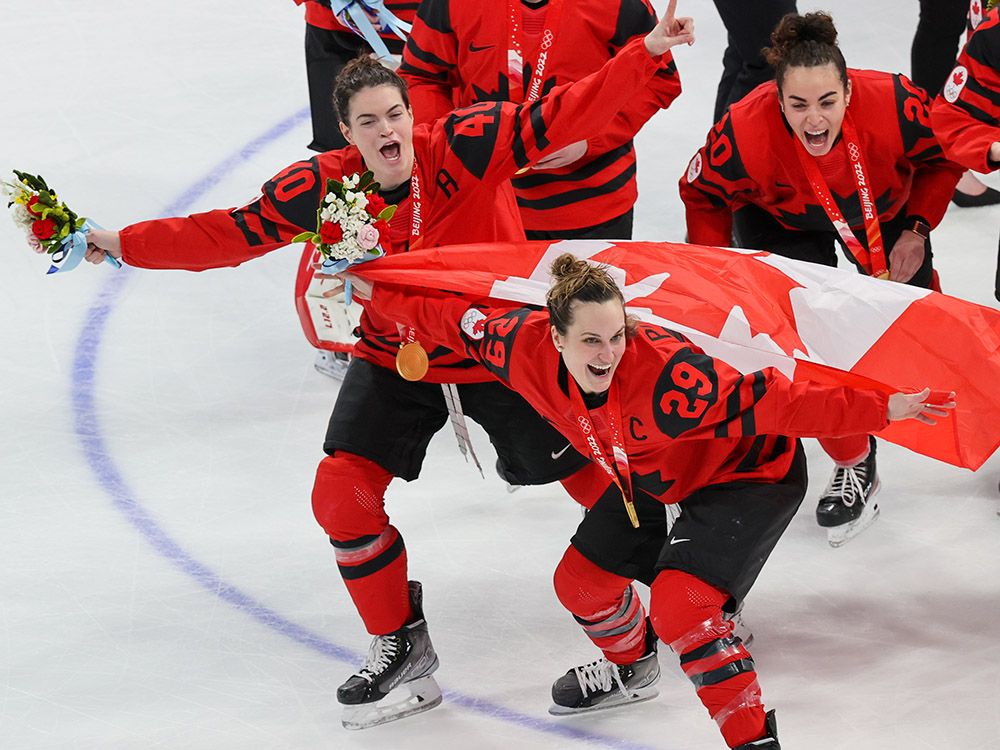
{"x":383,"y":230}
{"x":30,"y":205}
{"x":43,"y":229}
{"x":375,"y":204}
{"x":330,"y":233}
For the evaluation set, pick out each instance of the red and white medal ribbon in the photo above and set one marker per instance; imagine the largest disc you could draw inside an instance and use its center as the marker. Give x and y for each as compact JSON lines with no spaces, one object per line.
{"x":515,"y":50}
{"x":622,"y":478}
{"x":872,"y":259}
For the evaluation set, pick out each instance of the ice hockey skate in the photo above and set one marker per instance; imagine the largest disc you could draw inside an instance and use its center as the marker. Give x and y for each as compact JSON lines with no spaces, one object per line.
{"x":602,"y":684}
{"x":333,"y":364}
{"x":847,"y":506}
{"x":770,"y":739}
{"x":395,"y":680}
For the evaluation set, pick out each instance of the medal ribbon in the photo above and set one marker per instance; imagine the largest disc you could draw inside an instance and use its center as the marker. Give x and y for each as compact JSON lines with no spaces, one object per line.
{"x":872,"y":259}
{"x":622,"y":478}
{"x":515,"y":51}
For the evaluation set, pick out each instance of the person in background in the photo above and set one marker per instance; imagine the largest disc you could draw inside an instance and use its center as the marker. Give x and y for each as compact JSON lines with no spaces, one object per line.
{"x":748,"y":31}
{"x":826,"y":155}
{"x":932,"y":57}
{"x":966,"y":114}
{"x":460,"y":53}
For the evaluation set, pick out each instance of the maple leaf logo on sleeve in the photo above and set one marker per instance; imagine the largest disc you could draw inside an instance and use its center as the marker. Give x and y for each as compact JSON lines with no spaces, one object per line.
{"x":956,"y":82}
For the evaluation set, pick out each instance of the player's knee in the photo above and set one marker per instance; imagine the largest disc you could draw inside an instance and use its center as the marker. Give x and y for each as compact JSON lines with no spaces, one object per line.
{"x":686,"y":611}
{"x":348,"y":496}
{"x":583,"y":587}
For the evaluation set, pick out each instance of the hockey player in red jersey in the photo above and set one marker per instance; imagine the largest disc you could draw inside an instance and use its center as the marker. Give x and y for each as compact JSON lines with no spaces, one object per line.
{"x":666,"y":424}
{"x":826,"y":155}
{"x":966,"y":114}
{"x":450,"y":181}
{"x":516,"y":51}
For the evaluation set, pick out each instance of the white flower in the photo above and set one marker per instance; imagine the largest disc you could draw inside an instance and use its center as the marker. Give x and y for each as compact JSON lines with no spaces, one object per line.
{"x":352,"y":181}
{"x":22,"y":217}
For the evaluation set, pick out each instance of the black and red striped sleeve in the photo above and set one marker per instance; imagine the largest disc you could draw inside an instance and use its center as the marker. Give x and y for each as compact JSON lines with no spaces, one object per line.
{"x":715,"y":180}
{"x":934,"y":176}
{"x":637,"y":18}
{"x":966,"y":114}
{"x":228,"y":237}
{"x":430,"y":61}
{"x":493,"y":140}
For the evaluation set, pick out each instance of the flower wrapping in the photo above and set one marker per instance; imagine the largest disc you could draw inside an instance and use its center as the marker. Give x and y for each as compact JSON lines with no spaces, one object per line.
{"x":49,"y":225}
{"x":368,"y":19}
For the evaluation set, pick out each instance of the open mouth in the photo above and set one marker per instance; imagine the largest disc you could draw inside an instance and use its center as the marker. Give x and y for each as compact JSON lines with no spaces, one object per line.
{"x":816,"y":139}
{"x":599,"y":371}
{"x":390,"y":151}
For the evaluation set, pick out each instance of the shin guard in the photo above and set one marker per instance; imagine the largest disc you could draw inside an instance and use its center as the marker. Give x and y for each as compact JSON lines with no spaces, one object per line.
{"x":687,"y":614}
{"x":605,"y":605}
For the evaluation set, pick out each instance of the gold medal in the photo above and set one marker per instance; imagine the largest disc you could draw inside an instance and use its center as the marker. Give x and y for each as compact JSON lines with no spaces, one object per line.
{"x":411,"y":361}
{"x":884,"y":275}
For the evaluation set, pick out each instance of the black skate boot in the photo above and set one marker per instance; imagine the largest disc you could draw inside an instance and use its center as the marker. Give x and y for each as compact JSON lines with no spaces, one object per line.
{"x":847,"y":507}
{"x":395,"y":680}
{"x":770,"y":739}
{"x":602,"y":684}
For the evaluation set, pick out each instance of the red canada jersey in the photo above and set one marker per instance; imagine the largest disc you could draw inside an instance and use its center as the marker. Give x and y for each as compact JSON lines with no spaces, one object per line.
{"x":750,"y":158}
{"x":688,"y":420}
{"x":457,"y":54}
{"x":319,"y":14}
{"x":966,"y":114}
{"x":464,"y":165}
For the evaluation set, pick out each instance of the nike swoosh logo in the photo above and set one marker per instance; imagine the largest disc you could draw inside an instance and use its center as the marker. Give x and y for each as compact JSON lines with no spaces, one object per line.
{"x":474,"y":48}
{"x":557,"y":455}
{"x":678,"y":541}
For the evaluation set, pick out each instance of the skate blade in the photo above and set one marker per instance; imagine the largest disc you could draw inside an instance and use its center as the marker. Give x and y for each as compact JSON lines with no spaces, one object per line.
{"x":838,"y":536}
{"x":410,"y":698}
{"x":634,"y":696}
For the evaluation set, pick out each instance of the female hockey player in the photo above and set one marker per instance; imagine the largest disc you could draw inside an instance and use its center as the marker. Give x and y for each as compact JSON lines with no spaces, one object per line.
{"x":826,"y":154}
{"x":667,"y":424}
{"x":450,"y":180}
{"x":966,"y":114}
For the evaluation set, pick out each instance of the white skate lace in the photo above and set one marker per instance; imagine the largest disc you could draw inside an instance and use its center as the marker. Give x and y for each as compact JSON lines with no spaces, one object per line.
{"x":380,"y":655}
{"x":847,"y":483}
{"x":598,"y":677}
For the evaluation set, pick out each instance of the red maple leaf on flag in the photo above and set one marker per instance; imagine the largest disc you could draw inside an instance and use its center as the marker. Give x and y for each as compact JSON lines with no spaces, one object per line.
{"x":975,"y":9}
{"x":958,"y":77}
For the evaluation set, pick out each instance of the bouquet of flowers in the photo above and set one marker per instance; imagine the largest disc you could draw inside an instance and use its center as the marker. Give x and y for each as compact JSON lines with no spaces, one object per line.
{"x":50,"y":225}
{"x":350,"y":223}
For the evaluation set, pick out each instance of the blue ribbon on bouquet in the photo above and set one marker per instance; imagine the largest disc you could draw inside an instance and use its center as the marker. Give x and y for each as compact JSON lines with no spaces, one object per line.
{"x":357,"y":16}
{"x":332,"y":267}
{"x":73,"y":248}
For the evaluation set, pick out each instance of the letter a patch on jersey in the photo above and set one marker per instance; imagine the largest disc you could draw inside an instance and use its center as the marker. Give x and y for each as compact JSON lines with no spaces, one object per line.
{"x":472,"y":135}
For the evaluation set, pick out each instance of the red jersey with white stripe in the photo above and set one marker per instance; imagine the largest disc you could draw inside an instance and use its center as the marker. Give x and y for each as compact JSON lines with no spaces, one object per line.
{"x":966,"y":114}
{"x":750,"y":158}
{"x":457,"y":54}
{"x":688,"y":420}
{"x":465,"y":162}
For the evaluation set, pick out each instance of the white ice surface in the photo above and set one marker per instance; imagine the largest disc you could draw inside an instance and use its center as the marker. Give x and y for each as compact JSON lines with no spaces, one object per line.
{"x":162,"y":581}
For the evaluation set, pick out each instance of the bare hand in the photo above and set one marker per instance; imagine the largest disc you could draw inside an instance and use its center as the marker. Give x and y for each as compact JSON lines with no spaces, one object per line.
{"x":101,"y":242}
{"x":907,"y":256}
{"x":563,"y":157}
{"x":670,"y":32}
{"x":915,"y":406}
{"x":994,"y":153}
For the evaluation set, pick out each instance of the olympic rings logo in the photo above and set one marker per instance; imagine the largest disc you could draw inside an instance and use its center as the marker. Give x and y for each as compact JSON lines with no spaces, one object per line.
{"x":854,"y":151}
{"x":584,"y":425}
{"x":547,"y":39}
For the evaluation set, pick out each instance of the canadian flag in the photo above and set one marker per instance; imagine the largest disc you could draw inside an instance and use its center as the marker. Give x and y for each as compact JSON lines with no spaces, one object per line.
{"x":753,"y":310}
